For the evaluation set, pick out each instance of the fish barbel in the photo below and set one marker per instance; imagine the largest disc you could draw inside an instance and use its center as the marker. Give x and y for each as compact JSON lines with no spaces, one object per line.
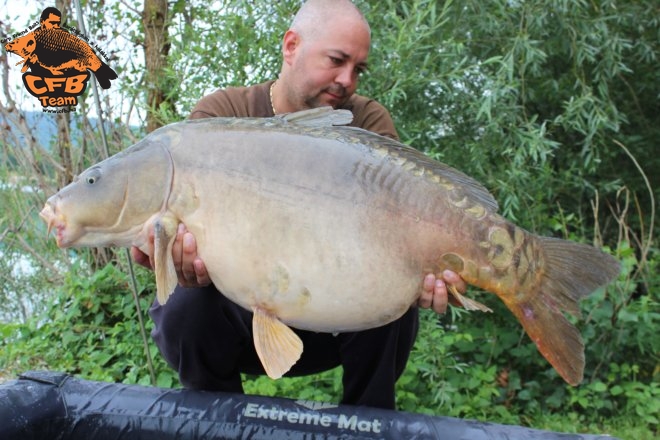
{"x":324,"y":228}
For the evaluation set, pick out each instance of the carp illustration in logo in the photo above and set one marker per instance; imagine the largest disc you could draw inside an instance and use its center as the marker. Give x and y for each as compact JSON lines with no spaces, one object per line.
{"x":59,"y":62}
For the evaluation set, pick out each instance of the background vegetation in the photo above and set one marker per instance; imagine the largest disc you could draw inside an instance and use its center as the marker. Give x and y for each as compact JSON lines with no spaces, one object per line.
{"x":553,"y":105}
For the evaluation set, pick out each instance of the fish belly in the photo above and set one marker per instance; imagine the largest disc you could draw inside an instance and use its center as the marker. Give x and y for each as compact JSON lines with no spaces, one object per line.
{"x":315,"y":267}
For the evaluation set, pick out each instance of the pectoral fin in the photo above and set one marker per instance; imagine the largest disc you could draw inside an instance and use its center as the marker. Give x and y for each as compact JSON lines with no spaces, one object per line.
{"x":467,"y":303}
{"x":166,"y":279}
{"x":278,"y":347}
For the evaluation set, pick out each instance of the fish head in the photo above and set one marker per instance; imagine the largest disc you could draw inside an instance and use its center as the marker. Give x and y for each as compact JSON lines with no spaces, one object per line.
{"x":23,"y":46}
{"x":109,"y":203}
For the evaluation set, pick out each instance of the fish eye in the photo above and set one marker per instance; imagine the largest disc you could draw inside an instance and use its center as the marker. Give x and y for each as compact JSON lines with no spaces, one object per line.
{"x":92,"y":177}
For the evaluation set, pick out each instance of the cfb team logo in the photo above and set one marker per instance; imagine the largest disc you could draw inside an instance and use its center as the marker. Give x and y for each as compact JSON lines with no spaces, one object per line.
{"x":58,"y":61}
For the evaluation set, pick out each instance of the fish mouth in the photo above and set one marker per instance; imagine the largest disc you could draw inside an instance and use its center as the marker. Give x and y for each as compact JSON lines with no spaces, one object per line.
{"x":54,"y":220}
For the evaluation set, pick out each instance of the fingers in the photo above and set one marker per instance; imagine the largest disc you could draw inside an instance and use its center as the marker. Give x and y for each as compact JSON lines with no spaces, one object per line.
{"x":201,"y":274}
{"x":426,"y":298}
{"x":140,"y":257}
{"x":453,"y":278}
{"x":440,"y":297}
{"x":190,"y":269}
{"x":177,"y":250}
{"x":435,"y":292}
{"x":184,"y":251}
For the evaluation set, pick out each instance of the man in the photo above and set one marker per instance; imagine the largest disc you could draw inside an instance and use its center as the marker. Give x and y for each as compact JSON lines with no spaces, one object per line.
{"x":208,"y":339}
{"x":50,"y":18}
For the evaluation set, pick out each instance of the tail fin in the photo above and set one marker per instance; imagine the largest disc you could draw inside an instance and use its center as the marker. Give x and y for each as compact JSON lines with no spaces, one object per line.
{"x":104,"y":74}
{"x":571,"y":271}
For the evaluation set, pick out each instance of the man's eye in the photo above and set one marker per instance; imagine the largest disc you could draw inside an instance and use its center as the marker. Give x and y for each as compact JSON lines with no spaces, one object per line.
{"x":335,"y":60}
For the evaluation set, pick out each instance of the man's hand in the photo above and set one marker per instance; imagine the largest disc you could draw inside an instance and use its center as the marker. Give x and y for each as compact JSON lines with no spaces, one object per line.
{"x":435,"y":293}
{"x":190,"y":269}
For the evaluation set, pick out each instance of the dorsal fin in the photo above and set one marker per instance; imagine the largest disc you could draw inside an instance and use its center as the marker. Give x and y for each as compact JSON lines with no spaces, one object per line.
{"x":318,"y":117}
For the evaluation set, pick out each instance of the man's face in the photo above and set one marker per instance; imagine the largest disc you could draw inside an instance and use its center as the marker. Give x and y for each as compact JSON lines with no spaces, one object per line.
{"x":325,"y":69}
{"x":53,"y":21}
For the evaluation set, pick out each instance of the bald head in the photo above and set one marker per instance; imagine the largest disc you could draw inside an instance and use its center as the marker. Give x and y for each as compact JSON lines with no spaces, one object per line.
{"x":316,"y":17}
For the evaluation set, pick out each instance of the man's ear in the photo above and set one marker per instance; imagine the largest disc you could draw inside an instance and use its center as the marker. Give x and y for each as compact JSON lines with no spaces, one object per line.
{"x":290,"y":43}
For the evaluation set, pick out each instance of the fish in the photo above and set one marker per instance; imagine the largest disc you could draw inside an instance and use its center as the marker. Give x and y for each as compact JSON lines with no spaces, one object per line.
{"x":319,"y":226}
{"x":57,"y":51}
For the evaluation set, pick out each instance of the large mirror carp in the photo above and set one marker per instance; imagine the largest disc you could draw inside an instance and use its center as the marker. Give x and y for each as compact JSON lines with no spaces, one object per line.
{"x":325,"y":228}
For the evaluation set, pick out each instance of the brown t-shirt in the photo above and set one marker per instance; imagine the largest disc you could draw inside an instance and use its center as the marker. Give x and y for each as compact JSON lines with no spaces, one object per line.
{"x":254,"y":102}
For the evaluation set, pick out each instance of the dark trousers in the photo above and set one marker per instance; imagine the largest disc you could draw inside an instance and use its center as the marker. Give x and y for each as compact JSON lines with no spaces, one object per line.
{"x":208,"y":340}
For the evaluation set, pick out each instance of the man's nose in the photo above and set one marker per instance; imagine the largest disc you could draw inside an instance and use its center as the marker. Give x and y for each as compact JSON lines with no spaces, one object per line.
{"x":347,"y":77}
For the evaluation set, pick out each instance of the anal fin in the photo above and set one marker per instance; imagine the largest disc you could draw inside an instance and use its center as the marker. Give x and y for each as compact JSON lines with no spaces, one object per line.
{"x":278,"y":347}
{"x":467,"y":303}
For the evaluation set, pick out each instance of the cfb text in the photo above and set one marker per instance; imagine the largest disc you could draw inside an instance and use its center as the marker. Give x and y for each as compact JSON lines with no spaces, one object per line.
{"x":56,"y":91}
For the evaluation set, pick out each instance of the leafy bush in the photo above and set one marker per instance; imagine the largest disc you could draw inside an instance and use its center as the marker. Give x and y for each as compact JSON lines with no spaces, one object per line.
{"x":89,"y":329}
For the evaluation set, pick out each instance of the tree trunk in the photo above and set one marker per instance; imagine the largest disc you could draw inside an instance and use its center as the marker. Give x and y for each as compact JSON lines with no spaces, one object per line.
{"x":156,"y":50}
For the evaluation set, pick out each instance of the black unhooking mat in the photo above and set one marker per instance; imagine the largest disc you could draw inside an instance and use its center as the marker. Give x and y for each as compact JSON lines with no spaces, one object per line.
{"x":48,"y":405}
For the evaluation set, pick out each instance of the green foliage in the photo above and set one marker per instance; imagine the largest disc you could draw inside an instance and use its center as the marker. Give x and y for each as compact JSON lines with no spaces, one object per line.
{"x":523,"y":95}
{"x":323,"y":387}
{"x":460,"y":388}
{"x":235,"y":43}
{"x":89,"y":329}
{"x":22,"y":250}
